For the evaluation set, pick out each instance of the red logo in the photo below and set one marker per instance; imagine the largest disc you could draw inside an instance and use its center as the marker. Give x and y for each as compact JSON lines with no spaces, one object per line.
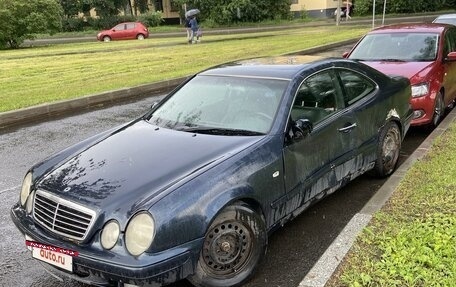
{"x":51,"y":248}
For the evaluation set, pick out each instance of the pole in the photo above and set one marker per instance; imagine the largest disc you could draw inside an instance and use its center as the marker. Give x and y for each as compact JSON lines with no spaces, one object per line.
{"x":384,"y":9}
{"x":338,"y":12}
{"x":373,"y":16}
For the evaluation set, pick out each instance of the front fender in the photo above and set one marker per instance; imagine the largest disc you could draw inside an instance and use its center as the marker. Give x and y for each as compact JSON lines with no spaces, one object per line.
{"x":178,"y":222}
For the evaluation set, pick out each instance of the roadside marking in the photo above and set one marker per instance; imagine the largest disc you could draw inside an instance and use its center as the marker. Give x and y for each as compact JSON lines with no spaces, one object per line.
{"x":10,"y":189}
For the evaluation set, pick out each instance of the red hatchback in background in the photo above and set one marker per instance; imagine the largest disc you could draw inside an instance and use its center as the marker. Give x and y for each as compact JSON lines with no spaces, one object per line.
{"x":124,"y":31}
{"x":422,"y":52}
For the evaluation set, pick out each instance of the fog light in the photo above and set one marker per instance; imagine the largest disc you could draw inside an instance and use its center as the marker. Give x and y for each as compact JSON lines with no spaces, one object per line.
{"x":418,"y":114}
{"x":110,"y":234}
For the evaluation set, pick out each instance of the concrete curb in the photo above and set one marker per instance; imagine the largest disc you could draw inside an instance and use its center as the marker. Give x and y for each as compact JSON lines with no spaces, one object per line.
{"x":324,"y":268}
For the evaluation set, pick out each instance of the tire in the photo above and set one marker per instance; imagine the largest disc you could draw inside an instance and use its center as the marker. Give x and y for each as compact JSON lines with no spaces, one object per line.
{"x":233,"y":246}
{"x":106,"y":39}
{"x":439,"y":110}
{"x":389,"y":146}
{"x":140,"y":37}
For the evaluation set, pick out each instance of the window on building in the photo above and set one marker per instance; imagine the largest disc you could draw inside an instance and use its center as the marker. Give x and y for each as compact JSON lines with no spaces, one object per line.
{"x":174,"y":6}
{"x":158,"y":4}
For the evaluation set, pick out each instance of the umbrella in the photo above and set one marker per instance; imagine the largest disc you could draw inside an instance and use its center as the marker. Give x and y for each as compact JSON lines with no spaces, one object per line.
{"x":191,"y":13}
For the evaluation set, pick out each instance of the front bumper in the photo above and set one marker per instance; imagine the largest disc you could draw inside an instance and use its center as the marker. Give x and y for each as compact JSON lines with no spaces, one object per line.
{"x":95,"y":269}
{"x":424,"y":106}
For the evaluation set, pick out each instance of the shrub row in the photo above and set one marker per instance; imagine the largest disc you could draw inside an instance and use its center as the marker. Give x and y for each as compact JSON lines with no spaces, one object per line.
{"x":77,"y":24}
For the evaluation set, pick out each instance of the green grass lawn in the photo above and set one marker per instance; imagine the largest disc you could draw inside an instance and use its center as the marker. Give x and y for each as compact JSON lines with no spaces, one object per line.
{"x":32,"y":76}
{"x":412,"y":240}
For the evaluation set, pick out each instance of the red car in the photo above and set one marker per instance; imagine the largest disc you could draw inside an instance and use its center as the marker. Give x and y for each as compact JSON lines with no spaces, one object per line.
{"x":422,"y":52}
{"x":124,"y":31}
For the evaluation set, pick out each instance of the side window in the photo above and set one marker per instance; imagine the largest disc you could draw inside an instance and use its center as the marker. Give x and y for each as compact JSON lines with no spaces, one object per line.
{"x":356,"y":86}
{"x":120,"y":27}
{"x":450,"y":42}
{"x":317,"y":98}
{"x":130,"y":26}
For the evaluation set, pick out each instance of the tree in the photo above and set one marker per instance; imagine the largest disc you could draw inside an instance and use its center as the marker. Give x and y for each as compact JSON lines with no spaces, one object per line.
{"x":230,"y":11}
{"x":21,"y":19}
{"x":71,"y":7}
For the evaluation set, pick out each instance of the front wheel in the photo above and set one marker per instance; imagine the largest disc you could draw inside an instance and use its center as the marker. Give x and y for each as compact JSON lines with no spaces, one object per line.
{"x":140,"y":37}
{"x":233,"y":246}
{"x":106,"y":39}
{"x":439,"y":110}
{"x":389,"y":146}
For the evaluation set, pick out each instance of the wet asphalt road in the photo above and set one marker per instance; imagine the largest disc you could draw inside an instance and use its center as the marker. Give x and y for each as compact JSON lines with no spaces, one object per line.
{"x":292,"y":250}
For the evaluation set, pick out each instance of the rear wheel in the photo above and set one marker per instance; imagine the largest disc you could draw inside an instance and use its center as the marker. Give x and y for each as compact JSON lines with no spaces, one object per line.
{"x":140,"y":37}
{"x":389,"y":146}
{"x":234,"y":244}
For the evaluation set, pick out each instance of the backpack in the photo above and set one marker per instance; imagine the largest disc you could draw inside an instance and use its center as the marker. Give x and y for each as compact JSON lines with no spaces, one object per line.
{"x":187,"y":23}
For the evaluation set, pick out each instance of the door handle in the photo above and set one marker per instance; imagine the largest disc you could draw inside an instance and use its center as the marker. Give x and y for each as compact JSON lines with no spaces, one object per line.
{"x":347,"y":128}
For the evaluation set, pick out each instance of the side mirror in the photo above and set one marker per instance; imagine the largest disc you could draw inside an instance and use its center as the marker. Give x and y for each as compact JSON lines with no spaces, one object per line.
{"x":451,"y":56}
{"x":302,"y":128}
{"x":345,"y":55}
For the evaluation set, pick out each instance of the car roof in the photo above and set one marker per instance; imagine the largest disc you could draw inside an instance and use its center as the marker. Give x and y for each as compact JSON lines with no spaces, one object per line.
{"x":412,"y":28}
{"x":446,"y":16}
{"x":281,"y":67}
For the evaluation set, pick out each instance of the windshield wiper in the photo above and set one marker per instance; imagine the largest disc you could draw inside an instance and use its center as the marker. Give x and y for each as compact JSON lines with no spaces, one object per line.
{"x":378,"y":60}
{"x":220,"y":131}
{"x":389,"y":60}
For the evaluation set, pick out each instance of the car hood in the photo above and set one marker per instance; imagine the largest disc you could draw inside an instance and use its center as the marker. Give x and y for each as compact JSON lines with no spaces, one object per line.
{"x":137,"y":163}
{"x":415,"y":71}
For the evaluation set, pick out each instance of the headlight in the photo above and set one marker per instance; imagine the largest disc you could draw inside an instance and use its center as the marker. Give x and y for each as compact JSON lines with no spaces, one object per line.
{"x":29,"y":204}
{"x":110,"y":234}
{"x":420,"y":90}
{"x":26,"y":185}
{"x":139,"y":233}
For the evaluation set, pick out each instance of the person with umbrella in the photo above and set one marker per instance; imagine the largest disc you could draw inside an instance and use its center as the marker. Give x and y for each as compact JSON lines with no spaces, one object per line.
{"x":193,"y":24}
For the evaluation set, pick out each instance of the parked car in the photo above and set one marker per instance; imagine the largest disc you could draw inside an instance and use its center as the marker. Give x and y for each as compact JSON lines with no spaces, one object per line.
{"x":192,"y":188}
{"x":425,"y":53}
{"x":124,"y":31}
{"x":446,"y":19}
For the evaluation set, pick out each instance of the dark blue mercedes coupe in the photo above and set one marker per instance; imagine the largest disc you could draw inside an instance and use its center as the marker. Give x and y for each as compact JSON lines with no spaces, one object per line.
{"x":192,"y":189}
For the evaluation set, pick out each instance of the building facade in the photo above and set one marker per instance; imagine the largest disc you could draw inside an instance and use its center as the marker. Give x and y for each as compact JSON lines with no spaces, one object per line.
{"x":315,"y":8}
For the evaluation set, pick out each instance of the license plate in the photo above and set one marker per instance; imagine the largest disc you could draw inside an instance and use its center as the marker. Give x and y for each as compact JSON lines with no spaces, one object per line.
{"x":55,"y":256}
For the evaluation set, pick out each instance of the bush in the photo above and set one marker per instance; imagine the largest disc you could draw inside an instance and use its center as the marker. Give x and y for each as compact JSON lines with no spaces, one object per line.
{"x":151,"y":19}
{"x":22,"y":19}
{"x":108,"y":22}
{"x":364,"y":7}
{"x":73,"y":24}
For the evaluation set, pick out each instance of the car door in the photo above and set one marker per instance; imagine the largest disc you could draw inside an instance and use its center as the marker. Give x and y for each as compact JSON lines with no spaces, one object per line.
{"x":130,"y":32}
{"x":118,"y":32}
{"x":449,"y":75}
{"x":359,"y":93}
{"x":315,"y":164}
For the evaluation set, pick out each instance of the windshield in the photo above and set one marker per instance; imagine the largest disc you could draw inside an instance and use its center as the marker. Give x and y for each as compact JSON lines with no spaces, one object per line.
{"x":221,"y":105}
{"x":408,"y":47}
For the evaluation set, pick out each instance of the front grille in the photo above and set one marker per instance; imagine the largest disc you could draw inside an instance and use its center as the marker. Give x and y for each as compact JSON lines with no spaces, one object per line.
{"x":61,"y":216}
